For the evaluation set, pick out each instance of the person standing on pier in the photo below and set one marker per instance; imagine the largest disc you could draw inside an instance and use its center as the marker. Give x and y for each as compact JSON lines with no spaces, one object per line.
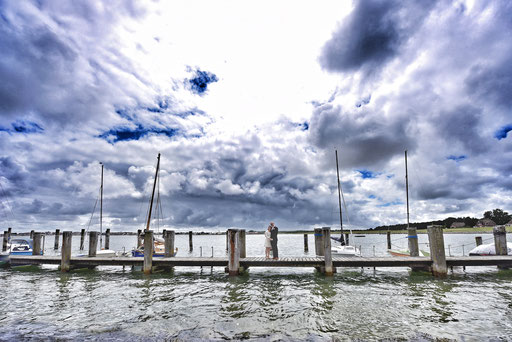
{"x":273,"y":240}
{"x":268,"y":242}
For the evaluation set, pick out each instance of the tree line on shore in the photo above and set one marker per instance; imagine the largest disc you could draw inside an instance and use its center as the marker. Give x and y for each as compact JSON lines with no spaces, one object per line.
{"x":499,"y":217}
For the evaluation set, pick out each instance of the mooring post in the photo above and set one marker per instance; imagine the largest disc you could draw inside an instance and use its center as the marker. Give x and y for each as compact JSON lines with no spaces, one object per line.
{"x":9,"y":232}
{"x":169,"y":243}
{"x":6,"y":238}
{"x":233,"y":252}
{"x":306,"y":249}
{"x":328,"y":269}
{"x":57,"y":235}
{"x":36,"y":243}
{"x":227,"y":240}
{"x":500,"y":242}
{"x":148,"y":251}
{"x":93,"y":243}
{"x":319,"y":242}
{"x":346,"y":238}
{"x":82,"y":239}
{"x":107,"y":238}
{"x":478,"y":240}
{"x":388,"y":235}
{"x":31,"y":234}
{"x":437,"y":253}
{"x":65,"y":262}
{"x":412,"y":236}
{"x":139,"y":238}
{"x":242,"y":243}
{"x":190,"y":245}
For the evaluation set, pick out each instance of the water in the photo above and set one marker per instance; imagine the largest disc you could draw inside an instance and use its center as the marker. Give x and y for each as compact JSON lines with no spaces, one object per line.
{"x":110,"y":304}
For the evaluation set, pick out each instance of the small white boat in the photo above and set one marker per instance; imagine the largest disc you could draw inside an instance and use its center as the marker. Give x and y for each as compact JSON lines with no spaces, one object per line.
{"x":406,"y":253}
{"x":345,"y":251}
{"x":488,"y":249}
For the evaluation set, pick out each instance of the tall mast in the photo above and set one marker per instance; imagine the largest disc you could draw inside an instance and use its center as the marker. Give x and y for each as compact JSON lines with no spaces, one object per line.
{"x":407,"y":188}
{"x":153,"y":194}
{"x":342,"y":240}
{"x":101,"y":207}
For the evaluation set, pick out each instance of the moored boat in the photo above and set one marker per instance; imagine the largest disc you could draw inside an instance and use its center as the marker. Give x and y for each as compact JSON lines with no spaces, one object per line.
{"x":21,"y":246}
{"x":488,"y":249}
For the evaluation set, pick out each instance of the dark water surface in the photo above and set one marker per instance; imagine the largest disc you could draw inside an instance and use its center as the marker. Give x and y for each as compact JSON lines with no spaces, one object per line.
{"x":110,"y":304}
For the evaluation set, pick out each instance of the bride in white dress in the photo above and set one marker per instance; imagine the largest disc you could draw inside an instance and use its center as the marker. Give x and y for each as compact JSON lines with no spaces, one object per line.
{"x":267,"y":243}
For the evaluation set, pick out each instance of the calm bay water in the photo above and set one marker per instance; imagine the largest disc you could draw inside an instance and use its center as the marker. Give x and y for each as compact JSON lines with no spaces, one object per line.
{"x":110,"y":303}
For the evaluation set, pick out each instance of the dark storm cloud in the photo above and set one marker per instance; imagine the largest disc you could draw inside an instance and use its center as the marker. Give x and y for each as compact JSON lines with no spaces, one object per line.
{"x":492,"y":83}
{"x":373,"y":34}
{"x":364,"y":138}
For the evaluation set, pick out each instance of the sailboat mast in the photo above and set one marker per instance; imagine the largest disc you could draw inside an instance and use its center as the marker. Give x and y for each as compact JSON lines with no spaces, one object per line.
{"x":153,"y":194}
{"x":342,"y":240}
{"x":407,"y":188}
{"x":101,"y":207}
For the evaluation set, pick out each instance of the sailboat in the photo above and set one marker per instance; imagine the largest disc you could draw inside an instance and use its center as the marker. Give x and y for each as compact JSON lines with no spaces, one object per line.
{"x":343,"y":249}
{"x":158,"y":243}
{"x":401,"y":253}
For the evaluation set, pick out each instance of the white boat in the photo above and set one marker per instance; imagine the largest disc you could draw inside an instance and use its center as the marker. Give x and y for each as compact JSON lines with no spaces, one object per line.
{"x":488,"y":249}
{"x":345,"y":251}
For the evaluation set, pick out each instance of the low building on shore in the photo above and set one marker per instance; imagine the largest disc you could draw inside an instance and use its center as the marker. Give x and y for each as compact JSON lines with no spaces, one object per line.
{"x":485,"y":222}
{"x":458,"y":225}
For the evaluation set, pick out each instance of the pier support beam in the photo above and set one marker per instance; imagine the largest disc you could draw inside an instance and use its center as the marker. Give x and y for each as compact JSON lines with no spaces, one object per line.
{"x":57,"y":236}
{"x":412,"y":238}
{"x":328,"y":268}
{"x":5,"y":240}
{"x":190,"y":244}
{"x":107,"y":238}
{"x":233,"y":252}
{"x":36,"y":244}
{"x":93,"y":243}
{"x":319,"y":242}
{"x":388,"y":235}
{"x":169,"y":243}
{"x":32,"y":234}
{"x":478,"y":240}
{"x":437,"y":253}
{"x":65,"y":262}
{"x":347,"y":236}
{"x":242,"y":243}
{"x":500,"y":242}
{"x":82,"y":239}
{"x":139,"y":238}
{"x":148,"y":252}
{"x":306,"y":249}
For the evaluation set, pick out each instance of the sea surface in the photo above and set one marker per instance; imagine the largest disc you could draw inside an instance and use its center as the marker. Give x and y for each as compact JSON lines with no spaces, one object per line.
{"x":265,"y":304}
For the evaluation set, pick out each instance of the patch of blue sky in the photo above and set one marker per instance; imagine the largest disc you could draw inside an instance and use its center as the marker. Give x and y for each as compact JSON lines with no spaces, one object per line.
{"x":23,"y":126}
{"x":199,"y":84}
{"x":367,"y":174}
{"x":503,"y":131}
{"x":372,"y":197}
{"x":364,"y":101}
{"x":389,"y":204}
{"x":127,"y":134}
{"x":457,"y":158}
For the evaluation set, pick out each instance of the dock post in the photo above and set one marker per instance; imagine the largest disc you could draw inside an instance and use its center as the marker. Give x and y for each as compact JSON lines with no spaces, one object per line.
{"x":190,"y":245}
{"x":319,"y":242}
{"x":107,"y":238}
{"x":6,"y":238}
{"x":93,"y":243}
{"x":500,"y":242}
{"x":169,"y":243}
{"x":32,"y":234}
{"x":306,"y":249}
{"x":388,"y":235}
{"x":65,"y":262}
{"x":82,"y":239}
{"x":412,"y":238}
{"x":242,"y":243}
{"x":328,"y":269}
{"x":478,"y":240}
{"x":36,"y":244}
{"x":148,"y":251}
{"x":437,"y":253}
{"x":233,"y":252}
{"x":139,"y":238}
{"x":57,"y":235}
{"x":227,"y":240}
{"x":346,"y":238}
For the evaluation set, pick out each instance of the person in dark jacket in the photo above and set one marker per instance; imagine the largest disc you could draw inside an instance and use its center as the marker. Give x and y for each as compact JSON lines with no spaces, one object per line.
{"x":273,"y":236}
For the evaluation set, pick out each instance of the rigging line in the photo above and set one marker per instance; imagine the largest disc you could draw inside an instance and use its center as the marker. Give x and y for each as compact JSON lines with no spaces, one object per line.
{"x":8,"y":206}
{"x":92,"y":214}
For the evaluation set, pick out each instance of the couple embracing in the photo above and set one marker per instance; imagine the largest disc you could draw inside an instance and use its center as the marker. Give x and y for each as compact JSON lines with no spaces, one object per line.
{"x":271,"y":241}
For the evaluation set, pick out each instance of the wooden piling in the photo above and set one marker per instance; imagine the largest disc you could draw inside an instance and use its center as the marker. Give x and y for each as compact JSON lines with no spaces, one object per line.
{"x":227,"y":241}
{"x":233,"y":252}
{"x":347,"y":239}
{"x":139,"y":238}
{"x":9,"y":232}
{"x":328,"y":268}
{"x":82,"y":239}
{"x":412,"y":238}
{"x":319,"y":242}
{"x":388,"y":235}
{"x":93,"y":243}
{"x":478,"y":240}
{"x":437,"y":253}
{"x":65,"y":263}
{"x":36,"y":243}
{"x":32,"y":234}
{"x":107,"y":238}
{"x":148,"y":251}
{"x":242,"y":243}
{"x":57,"y":235}
{"x":500,"y":240}
{"x":190,"y":245}
{"x":5,"y":240}
{"x":169,"y":236}
{"x":306,"y":249}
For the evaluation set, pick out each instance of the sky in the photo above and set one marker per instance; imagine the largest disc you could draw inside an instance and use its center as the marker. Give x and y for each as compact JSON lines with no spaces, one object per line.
{"x":247,"y":103}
